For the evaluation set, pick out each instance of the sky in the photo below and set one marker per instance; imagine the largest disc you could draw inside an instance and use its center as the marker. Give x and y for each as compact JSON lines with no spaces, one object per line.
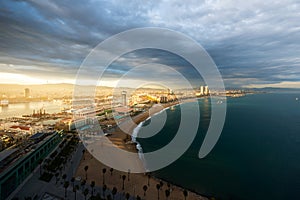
{"x":253,"y":43}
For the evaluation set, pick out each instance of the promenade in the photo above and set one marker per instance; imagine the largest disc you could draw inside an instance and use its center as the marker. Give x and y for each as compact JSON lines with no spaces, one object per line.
{"x":34,"y":188}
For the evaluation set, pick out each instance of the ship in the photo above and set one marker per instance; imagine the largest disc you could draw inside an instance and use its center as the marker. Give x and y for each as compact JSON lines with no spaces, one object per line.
{"x":4,"y":103}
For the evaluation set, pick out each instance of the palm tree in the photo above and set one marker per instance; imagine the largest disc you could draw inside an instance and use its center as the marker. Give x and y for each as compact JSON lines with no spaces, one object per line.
{"x":85,"y":193}
{"x":111,"y":171}
{"x":103,"y":173}
{"x":92,"y":186}
{"x":145,"y":189}
{"x":123,"y":178}
{"x":128,"y":174}
{"x":75,"y":188}
{"x":104,"y":189}
{"x":127,"y":195}
{"x":161,"y":184}
{"x":60,"y":169}
{"x":56,"y":177}
{"x":158,"y":187}
{"x":149,"y":176}
{"x":114,"y":192}
{"x":167,"y":193}
{"x":109,"y":197}
{"x":83,"y":151}
{"x":85,"y":169}
{"x":72,"y":181}
{"x":83,"y":182}
{"x":66,"y":185}
{"x":64,"y":177}
{"x":185,"y":194}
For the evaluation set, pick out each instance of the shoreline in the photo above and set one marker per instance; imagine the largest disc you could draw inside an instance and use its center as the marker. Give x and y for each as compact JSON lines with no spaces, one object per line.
{"x":140,"y":149}
{"x":129,"y":143}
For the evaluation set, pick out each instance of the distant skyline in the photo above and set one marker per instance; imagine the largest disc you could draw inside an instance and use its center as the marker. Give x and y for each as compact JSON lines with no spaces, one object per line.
{"x":254,"y":44}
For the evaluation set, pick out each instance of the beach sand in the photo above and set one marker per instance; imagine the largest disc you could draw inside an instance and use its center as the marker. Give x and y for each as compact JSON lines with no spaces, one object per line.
{"x":134,"y":186}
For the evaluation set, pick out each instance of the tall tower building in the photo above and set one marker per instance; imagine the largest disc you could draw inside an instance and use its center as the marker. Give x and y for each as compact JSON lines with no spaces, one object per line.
{"x":201,"y":90}
{"x":26,"y":93}
{"x":206,"y":90}
{"x":124,"y":100}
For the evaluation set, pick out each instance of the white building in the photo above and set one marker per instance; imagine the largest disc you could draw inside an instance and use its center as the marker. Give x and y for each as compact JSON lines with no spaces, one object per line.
{"x":124,"y":99}
{"x":201,"y":90}
{"x":206,"y":90}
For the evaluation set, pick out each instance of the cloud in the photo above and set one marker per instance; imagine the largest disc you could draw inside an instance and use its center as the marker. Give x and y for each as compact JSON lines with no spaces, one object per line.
{"x":252,"y":42}
{"x":284,"y":84}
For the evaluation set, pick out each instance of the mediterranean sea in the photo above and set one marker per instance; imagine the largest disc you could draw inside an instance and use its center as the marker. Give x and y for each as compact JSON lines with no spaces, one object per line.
{"x":256,"y":157}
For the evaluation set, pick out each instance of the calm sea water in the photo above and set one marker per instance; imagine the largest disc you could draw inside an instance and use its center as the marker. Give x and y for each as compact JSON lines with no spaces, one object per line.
{"x":19,"y":109}
{"x":256,"y":157}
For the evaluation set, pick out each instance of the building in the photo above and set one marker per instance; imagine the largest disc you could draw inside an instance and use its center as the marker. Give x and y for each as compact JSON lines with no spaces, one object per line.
{"x":14,"y":174}
{"x":124,"y":98}
{"x":4,"y":103}
{"x":27,"y":93}
{"x":202,"y":90}
{"x":206,"y":90}
{"x":163,"y":99}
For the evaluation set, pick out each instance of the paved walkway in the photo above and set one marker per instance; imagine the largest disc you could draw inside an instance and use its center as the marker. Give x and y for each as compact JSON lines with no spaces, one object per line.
{"x":35,"y":188}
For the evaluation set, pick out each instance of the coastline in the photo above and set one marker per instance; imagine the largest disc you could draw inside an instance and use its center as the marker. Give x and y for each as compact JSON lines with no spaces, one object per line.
{"x":129,"y":143}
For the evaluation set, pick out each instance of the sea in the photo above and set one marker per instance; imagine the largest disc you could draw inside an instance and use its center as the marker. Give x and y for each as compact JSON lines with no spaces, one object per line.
{"x":19,"y":109}
{"x":256,"y":157}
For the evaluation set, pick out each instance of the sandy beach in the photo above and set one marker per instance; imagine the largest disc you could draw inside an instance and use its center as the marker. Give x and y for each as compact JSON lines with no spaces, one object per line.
{"x":134,"y":182}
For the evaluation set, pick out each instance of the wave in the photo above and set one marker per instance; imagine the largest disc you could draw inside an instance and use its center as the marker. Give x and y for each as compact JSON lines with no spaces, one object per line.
{"x":138,"y":145}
